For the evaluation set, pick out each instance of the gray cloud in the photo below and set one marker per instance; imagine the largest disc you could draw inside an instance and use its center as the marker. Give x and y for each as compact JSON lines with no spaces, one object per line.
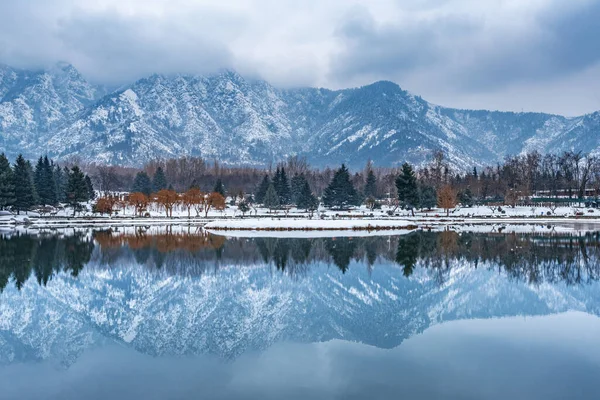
{"x":496,"y":54}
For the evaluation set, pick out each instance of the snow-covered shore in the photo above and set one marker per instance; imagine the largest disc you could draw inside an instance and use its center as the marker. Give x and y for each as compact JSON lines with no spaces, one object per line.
{"x":288,"y":224}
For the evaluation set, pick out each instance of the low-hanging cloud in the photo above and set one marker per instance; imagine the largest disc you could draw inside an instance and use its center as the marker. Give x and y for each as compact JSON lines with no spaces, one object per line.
{"x":498,"y":54}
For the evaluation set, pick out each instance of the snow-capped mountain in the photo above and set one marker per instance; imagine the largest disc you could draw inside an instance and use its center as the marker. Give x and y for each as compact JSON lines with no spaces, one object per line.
{"x":239,"y":121}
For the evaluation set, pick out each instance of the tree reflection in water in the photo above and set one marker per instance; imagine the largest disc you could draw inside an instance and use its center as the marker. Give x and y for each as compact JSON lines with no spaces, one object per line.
{"x":531,"y":257}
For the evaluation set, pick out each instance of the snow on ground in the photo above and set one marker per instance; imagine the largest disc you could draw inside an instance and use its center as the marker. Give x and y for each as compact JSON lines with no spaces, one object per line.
{"x":309,"y":224}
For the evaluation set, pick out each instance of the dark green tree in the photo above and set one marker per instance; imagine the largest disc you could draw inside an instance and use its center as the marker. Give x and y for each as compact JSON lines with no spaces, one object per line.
{"x":371,"y":185}
{"x":259,"y":198}
{"x":341,"y":192}
{"x":408,"y":190}
{"x":296,"y":186}
{"x":306,"y":200}
{"x":408,"y":252}
{"x":341,"y":251}
{"x":25,"y":196}
{"x":90,"y":188}
{"x":77,"y":189}
{"x":43,"y":179}
{"x":61,"y":177}
{"x":271,"y":199}
{"x":428,"y":197}
{"x":159,"y":182}
{"x":142,"y":184}
{"x":466,"y":198}
{"x":219,"y":188}
{"x":282,"y":186}
{"x":7,"y":184}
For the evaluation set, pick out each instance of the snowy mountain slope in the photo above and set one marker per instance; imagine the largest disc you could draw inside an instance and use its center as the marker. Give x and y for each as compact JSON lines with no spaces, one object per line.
{"x":239,"y":121}
{"x":247,"y":308}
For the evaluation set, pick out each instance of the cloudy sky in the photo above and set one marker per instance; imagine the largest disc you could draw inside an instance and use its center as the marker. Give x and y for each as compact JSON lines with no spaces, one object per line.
{"x":533,"y":55}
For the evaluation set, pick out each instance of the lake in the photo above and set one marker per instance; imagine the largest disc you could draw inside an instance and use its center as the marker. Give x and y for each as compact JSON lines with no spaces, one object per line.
{"x":176,"y":312}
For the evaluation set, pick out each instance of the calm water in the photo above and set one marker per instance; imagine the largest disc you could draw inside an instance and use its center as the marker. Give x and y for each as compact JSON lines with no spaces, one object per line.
{"x":179,"y":313}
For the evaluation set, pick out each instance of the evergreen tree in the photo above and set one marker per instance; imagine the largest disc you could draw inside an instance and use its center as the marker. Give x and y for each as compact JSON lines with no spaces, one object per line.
{"x":306,"y":200}
{"x":60,"y":184}
{"x":90,"y":188}
{"x":271,"y":199}
{"x":159,"y":182}
{"x":219,"y":188}
{"x":466,"y":198}
{"x":282,"y":187}
{"x":408,"y":191}
{"x":23,"y":183}
{"x":340,"y":193}
{"x":44,"y":182}
{"x":77,"y":189}
{"x":296,"y":187}
{"x":371,"y":185}
{"x":427,"y":197}
{"x":142,"y":184}
{"x":262,"y":190}
{"x":7,"y":185}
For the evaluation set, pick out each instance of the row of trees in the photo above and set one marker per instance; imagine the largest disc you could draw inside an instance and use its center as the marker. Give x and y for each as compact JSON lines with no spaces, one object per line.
{"x":165,"y":199}
{"x":23,"y":187}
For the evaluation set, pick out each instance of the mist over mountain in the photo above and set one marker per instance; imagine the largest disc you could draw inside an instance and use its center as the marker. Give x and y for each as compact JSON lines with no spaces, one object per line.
{"x":250,"y":122}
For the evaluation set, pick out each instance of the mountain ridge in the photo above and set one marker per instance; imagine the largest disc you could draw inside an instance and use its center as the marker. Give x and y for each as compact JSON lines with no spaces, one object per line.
{"x":249,"y":122}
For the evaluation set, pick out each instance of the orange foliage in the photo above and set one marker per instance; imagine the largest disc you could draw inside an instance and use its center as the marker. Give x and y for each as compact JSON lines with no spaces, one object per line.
{"x":167,"y":199}
{"x":214,"y":200}
{"x":447,"y":198}
{"x":139,"y":201}
{"x":193,"y":198}
{"x":104,"y":205}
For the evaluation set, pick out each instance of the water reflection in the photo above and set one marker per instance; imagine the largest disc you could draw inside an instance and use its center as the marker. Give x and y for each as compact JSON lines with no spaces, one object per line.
{"x":534,"y":258}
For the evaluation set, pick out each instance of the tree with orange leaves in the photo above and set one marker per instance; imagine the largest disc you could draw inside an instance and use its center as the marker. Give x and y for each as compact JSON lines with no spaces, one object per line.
{"x":447,"y":198}
{"x":104,"y":205}
{"x":213,"y":200}
{"x":193,"y":198}
{"x":139,"y":201}
{"x":167,"y":199}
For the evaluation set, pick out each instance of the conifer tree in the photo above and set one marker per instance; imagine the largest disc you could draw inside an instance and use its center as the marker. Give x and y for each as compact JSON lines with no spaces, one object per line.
{"x":296,"y":187}
{"x":60,"y":184}
{"x":44,"y":182}
{"x":142,"y":184}
{"x":23,"y":183}
{"x":408,"y":191}
{"x":159,"y":182}
{"x":77,"y":189}
{"x":219,"y":188}
{"x":371,"y":185}
{"x":427,"y":197}
{"x":90,"y":188}
{"x":282,"y":187}
{"x":306,"y":200}
{"x":271,"y":199}
{"x":341,"y":192}
{"x":7,"y":185}
{"x":262,"y":190}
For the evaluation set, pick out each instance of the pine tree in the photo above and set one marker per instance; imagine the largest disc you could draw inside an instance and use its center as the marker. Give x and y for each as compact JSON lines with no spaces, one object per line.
{"x":428,"y":197}
{"x":77,"y":189}
{"x":24,"y":190}
{"x":282,"y":187}
{"x":296,"y":187}
{"x":60,"y":183}
{"x":90,"y":188}
{"x":7,"y":185}
{"x":408,"y":191}
{"x":259,"y":198}
{"x":306,"y":200}
{"x":340,"y":193}
{"x":371,"y":185}
{"x":159,"y":182}
{"x":44,"y":182}
{"x":142,"y":184}
{"x":219,"y":188}
{"x":271,"y":199}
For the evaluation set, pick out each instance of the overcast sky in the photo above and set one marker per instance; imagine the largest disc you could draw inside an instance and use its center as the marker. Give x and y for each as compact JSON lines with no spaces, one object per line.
{"x":532,"y":55}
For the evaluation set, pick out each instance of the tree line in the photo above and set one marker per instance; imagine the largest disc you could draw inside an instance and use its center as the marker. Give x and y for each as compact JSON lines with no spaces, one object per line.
{"x":24,"y":187}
